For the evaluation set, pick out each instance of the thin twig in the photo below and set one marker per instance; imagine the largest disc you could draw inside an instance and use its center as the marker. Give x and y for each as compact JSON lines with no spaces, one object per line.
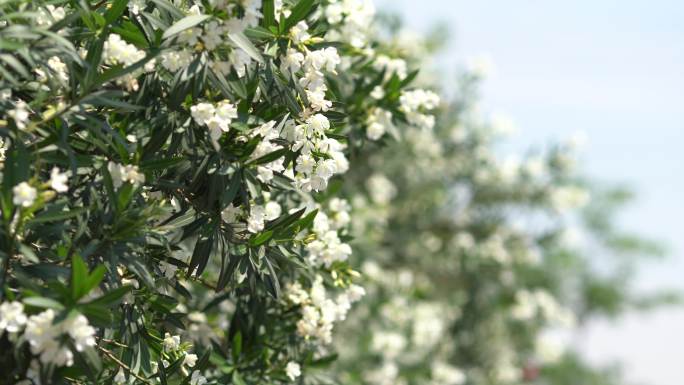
{"x":117,"y":343}
{"x":121,"y":364}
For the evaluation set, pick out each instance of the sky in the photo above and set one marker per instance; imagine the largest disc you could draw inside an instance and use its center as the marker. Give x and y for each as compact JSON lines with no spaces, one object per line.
{"x":615,"y":71}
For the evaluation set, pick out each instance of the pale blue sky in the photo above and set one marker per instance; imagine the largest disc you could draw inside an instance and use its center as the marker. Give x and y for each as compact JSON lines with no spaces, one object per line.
{"x":615,"y":70}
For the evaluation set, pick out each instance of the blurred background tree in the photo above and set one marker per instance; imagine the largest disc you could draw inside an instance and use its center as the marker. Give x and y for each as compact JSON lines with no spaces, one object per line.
{"x":481,"y":268}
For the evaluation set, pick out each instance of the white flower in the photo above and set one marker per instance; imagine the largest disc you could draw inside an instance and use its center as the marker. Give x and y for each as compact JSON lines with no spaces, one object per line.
{"x":197,"y":378}
{"x":58,"y":68}
{"x":240,"y":60}
{"x":190,"y":360}
{"x":445,"y":374}
{"x":190,"y":36}
{"x":326,"y":58}
{"x":170,"y":342}
{"x":230,"y":213}
{"x":167,"y":269}
{"x":255,"y":222}
{"x":377,"y":93}
{"x":319,"y":123}
{"x":355,"y":292}
{"x":296,"y":294}
{"x":212,"y":36}
{"x":58,"y":180}
{"x":388,"y":343}
{"x":43,"y":336}
{"x":202,"y":112}
{"x":292,"y":61}
{"x":20,"y":114}
{"x":175,"y":60}
{"x":378,"y":123}
{"x":334,"y":13}
{"x":414,"y":103}
{"x":391,"y":66}
{"x":272,"y":210}
{"x":325,"y":168}
{"x":80,"y":331}
{"x":549,"y":348}
{"x":564,"y":198}
{"x":266,"y":130}
{"x":46,"y":16}
{"x":135,"y":6}
{"x":12,"y":317}
{"x":305,"y":164}
{"x":24,"y":194}
{"x":299,"y":33}
{"x":317,"y":100}
{"x":226,"y":110}
{"x":120,"y":378}
{"x":121,"y":174}
{"x":381,"y":189}
{"x":117,"y":51}
{"x":133,"y":175}
{"x":293,"y":370}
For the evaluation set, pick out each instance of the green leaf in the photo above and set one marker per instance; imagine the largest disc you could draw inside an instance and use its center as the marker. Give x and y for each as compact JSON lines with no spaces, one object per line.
{"x":200,"y":255}
{"x":286,"y":221}
{"x":231,"y":192}
{"x":305,"y":222}
{"x":79,"y":277}
{"x":272,"y":280}
{"x":51,"y":216}
{"x":237,"y":346}
{"x":246,"y":45}
{"x":118,"y":71}
{"x":299,"y":12}
{"x":183,"y":24}
{"x":270,"y":157}
{"x":168,"y":7}
{"x":259,"y":33}
{"x":43,"y":302}
{"x":95,"y":278}
{"x":261,"y":238}
{"x":132,"y":34}
{"x":237,"y":379}
{"x":268,"y":10}
{"x":115,"y":11}
{"x":111,"y":297}
{"x":160,"y":164}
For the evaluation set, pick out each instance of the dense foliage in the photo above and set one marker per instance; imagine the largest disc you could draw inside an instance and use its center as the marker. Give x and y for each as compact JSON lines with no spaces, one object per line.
{"x":183,"y":182}
{"x":479,"y":265}
{"x":170,"y":167}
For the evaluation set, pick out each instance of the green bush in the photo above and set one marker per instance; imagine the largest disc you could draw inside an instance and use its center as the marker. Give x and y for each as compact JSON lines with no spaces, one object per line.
{"x":171,"y":167}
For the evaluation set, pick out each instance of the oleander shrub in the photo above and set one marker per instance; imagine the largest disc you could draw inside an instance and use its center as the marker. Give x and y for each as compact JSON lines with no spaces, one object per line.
{"x":169,"y":168}
{"x":480,"y":265}
{"x":198,"y":192}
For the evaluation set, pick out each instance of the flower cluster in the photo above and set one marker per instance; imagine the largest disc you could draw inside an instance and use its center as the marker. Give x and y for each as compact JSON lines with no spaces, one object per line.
{"x":353,"y":20}
{"x":413,"y":105}
{"x":121,"y":174}
{"x":213,"y":38}
{"x":319,"y":311}
{"x":204,"y":147}
{"x":310,"y":139}
{"x":466,"y":252}
{"x":327,"y":248}
{"x":117,"y":51}
{"x":44,"y":334}
{"x":216,"y":117}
